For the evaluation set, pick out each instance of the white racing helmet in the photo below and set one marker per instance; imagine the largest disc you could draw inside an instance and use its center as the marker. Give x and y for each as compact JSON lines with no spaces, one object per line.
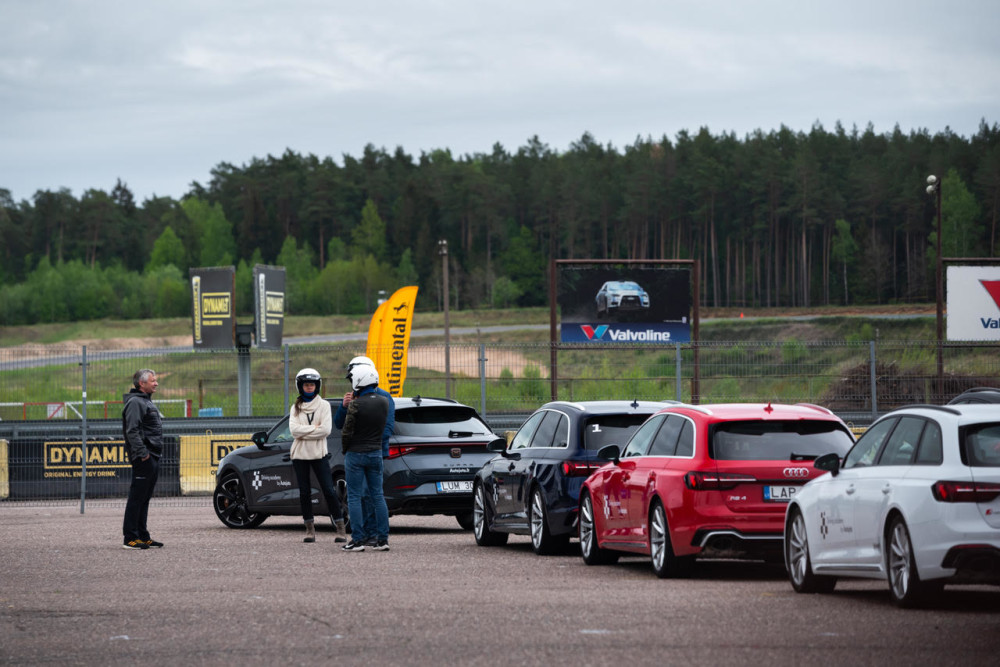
{"x":308,"y":375}
{"x":363,"y":375}
{"x":356,"y":361}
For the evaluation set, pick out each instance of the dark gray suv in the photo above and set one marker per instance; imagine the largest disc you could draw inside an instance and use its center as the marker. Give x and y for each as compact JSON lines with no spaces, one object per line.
{"x":434,"y":453}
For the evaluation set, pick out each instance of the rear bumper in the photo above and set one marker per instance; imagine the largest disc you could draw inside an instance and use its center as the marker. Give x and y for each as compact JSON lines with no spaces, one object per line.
{"x":978,"y":563}
{"x":731,"y":543}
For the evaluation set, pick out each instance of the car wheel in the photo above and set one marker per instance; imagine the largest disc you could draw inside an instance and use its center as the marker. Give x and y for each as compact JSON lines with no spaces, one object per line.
{"x":542,"y":540}
{"x":661,"y":552}
{"x":481,"y":520}
{"x":230,"y":502}
{"x":591,"y":552}
{"x":905,"y":586}
{"x":797,"y":560}
{"x":467,"y":520}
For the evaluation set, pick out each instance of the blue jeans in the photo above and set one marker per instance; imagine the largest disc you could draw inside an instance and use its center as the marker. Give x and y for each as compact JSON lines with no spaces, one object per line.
{"x":361,"y":470}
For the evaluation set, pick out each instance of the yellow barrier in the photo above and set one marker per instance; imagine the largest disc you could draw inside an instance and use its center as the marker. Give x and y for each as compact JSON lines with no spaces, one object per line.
{"x":4,"y":471}
{"x":200,"y":456}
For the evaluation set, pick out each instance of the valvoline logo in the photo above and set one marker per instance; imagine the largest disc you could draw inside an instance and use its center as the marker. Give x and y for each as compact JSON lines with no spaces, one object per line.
{"x":594,"y":334}
{"x":993,"y":287}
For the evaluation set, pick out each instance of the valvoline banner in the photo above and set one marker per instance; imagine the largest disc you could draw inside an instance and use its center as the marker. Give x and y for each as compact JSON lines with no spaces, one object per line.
{"x":389,"y":338}
{"x":973,"y":303}
{"x":662,"y":333}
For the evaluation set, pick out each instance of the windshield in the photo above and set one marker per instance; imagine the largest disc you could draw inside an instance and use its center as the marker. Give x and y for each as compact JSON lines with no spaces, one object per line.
{"x":610,"y":430}
{"x":440,"y":420}
{"x":795,"y":440}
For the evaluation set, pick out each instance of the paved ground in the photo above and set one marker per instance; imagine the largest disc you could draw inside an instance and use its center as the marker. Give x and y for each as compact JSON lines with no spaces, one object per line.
{"x":70,"y":595}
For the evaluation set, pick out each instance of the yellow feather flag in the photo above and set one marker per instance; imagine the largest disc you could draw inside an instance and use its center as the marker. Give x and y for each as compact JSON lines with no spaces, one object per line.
{"x":389,"y":349}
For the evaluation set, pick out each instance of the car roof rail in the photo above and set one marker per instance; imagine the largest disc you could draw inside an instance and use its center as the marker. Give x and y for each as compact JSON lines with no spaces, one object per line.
{"x":943,"y":408}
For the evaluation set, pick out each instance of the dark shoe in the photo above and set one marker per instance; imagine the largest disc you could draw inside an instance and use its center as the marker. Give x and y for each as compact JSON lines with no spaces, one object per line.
{"x":353,"y":546}
{"x":310,"y":532}
{"x":135,"y":544}
{"x":153,"y":544}
{"x":371,"y":542}
{"x":382,"y":545}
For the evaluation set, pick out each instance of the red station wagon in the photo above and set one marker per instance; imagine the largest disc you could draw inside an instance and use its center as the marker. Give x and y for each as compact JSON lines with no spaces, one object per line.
{"x":705,"y":480}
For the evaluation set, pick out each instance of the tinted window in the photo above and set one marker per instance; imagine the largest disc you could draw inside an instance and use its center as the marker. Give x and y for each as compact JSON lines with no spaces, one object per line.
{"x":639,"y":443}
{"x":281,"y":433}
{"x":548,"y":431}
{"x":901,"y":447}
{"x":665,"y":441}
{"x":604,"y":430}
{"x":523,"y":436}
{"x":868,"y":445}
{"x":685,"y":443}
{"x":982,"y":445}
{"x":759,"y":440}
{"x":438,"y":420}
{"x":930,"y":445}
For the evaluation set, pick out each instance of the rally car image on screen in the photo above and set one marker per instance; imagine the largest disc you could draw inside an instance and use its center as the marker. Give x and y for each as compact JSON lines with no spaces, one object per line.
{"x":620,"y":296}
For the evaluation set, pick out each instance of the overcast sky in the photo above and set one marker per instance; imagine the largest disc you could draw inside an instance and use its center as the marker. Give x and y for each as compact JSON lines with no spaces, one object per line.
{"x":157,"y":93}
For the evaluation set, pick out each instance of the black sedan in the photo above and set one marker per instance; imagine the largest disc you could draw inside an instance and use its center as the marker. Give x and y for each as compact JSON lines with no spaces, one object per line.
{"x":532,"y":487}
{"x":435,"y":450}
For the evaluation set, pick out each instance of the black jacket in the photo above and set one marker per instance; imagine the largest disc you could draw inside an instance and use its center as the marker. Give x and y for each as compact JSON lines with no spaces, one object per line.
{"x":365,"y":422}
{"x":142,"y":426}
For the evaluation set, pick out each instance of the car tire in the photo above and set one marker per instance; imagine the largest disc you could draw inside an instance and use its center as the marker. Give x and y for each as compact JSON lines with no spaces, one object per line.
{"x":905,"y":586}
{"x":230,"y":503}
{"x":661,"y":551}
{"x":481,"y":521}
{"x":467,"y":520}
{"x":590,"y":551}
{"x":798,"y":562}
{"x":542,"y":540}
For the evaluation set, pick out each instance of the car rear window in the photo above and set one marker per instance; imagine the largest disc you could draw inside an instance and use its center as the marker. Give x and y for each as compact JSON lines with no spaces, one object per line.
{"x":440,"y":420}
{"x":604,"y":430}
{"x":793,"y":440}
{"x":982,"y":445}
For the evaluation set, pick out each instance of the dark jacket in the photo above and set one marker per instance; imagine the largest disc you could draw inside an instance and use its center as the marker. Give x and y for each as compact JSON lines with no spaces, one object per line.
{"x":390,"y":421}
{"x":365,"y":422}
{"x":142,"y":426}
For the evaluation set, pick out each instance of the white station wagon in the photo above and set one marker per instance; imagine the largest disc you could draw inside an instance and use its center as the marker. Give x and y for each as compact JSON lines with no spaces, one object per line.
{"x":916,"y":501}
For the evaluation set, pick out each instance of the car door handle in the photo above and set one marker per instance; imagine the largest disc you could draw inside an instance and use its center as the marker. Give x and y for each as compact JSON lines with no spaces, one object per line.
{"x":850,"y":490}
{"x":887,"y":489}
{"x":511,"y":467}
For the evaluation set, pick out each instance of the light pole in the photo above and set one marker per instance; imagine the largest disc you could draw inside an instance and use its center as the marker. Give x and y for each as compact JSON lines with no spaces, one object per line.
{"x":443,"y":251}
{"x":934,"y":187}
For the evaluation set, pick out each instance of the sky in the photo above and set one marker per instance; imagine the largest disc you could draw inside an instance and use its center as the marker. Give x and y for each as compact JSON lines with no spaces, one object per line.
{"x":158,"y":93}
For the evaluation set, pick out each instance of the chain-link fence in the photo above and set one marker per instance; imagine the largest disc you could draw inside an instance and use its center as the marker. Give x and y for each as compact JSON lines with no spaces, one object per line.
{"x":53,"y":400}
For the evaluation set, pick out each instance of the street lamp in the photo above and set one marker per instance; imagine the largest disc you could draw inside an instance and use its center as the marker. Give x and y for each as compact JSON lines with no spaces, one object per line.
{"x":443,"y":251}
{"x":934,"y":187}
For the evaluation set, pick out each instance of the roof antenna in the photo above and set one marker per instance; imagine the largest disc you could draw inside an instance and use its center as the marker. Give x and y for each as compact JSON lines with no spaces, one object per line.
{"x":635,"y":403}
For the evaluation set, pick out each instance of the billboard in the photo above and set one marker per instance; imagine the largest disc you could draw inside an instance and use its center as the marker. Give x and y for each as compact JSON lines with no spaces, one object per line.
{"x":624,"y":304}
{"x":213,"y":307}
{"x":268,"y":304}
{"x":973,"y":303}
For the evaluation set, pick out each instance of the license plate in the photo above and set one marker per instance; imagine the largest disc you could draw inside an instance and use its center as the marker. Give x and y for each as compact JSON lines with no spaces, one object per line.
{"x":454,"y":487}
{"x":780,"y":494}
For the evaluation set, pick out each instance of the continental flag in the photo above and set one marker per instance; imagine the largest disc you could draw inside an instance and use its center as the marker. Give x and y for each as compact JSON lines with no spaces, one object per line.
{"x":389,"y":338}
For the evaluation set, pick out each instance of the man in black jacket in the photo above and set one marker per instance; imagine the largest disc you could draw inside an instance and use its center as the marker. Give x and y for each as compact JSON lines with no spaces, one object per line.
{"x":143,"y":429}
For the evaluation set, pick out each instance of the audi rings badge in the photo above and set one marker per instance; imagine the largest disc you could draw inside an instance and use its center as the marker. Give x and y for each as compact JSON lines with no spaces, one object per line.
{"x":796,"y":473}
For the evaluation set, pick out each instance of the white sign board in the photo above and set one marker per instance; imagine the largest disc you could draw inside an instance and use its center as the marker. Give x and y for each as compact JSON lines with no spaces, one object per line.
{"x":973,"y":303}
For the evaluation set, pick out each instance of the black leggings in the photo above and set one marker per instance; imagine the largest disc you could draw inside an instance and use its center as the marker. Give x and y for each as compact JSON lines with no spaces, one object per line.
{"x":321,"y":470}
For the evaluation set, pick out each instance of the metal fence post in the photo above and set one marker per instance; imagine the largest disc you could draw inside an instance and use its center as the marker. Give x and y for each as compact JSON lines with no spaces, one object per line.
{"x":482,"y":379}
{"x":285,"y":407}
{"x":871,"y":365}
{"x":83,"y":433}
{"x":677,"y":370}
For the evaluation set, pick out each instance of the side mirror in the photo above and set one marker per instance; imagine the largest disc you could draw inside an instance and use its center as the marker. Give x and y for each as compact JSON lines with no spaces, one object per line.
{"x":498,"y":445}
{"x":259,"y":438}
{"x":610,"y":453}
{"x":829,"y":463}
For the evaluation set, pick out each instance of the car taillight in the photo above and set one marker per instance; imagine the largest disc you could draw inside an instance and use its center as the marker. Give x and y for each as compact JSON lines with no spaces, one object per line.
{"x":714,"y":481}
{"x":579,"y":468}
{"x":965,"y":492}
{"x":395,"y":451}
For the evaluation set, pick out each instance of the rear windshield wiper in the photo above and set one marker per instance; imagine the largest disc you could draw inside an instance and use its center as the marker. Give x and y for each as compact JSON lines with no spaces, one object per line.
{"x":802,"y":457}
{"x":459,"y":434}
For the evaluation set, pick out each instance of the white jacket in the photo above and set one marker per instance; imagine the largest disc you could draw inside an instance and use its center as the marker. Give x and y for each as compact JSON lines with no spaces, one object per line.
{"x":309,"y":429}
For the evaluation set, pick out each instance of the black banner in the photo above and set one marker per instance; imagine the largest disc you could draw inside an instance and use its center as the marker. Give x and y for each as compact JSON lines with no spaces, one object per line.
{"x":269,"y":304}
{"x":213,"y":307}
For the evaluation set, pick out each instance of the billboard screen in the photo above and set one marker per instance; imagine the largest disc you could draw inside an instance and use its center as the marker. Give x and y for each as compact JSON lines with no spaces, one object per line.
{"x":973,"y":303}
{"x":213,"y":308}
{"x":624,"y":304}
{"x":269,"y":304}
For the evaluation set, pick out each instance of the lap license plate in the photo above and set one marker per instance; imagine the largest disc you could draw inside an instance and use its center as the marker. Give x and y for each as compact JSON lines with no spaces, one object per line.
{"x":454,"y":487}
{"x":780,"y":494}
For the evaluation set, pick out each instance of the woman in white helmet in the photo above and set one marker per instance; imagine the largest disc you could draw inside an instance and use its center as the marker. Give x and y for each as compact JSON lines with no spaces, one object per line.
{"x":310,"y":421}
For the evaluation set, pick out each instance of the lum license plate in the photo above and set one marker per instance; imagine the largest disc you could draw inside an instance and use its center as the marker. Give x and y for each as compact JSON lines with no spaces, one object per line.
{"x":454,"y":487}
{"x":780,"y":494}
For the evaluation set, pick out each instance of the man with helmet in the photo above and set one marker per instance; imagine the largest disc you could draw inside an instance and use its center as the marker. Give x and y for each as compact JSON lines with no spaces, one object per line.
{"x":363,"y":429}
{"x":310,"y":422}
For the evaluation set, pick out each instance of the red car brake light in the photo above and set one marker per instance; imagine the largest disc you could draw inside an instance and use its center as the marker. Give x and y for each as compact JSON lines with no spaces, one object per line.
{"x":715,"y":481}
{"x":965,"y":492}
{"x":580,"y":468}
{"x":396,"y":451}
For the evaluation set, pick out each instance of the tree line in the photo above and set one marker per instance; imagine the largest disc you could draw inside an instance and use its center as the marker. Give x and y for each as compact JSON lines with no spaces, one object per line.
{"x":780,"y":218}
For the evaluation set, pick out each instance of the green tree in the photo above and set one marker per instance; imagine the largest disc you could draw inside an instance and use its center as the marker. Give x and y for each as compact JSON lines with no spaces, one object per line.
{"x":368,"y":238}
{"x":214,"y":231}
{"x":406,"y":272}
{"x":168,"y":249}
{"x":844,"y":249}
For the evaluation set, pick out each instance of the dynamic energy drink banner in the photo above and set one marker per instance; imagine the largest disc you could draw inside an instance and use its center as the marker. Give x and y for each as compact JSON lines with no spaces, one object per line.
{"x":973,"y":303}
{"x":213,"y":314}
{"x":624,"y":304}
{"x":269,"y":304}
{"x":389,"y":338}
